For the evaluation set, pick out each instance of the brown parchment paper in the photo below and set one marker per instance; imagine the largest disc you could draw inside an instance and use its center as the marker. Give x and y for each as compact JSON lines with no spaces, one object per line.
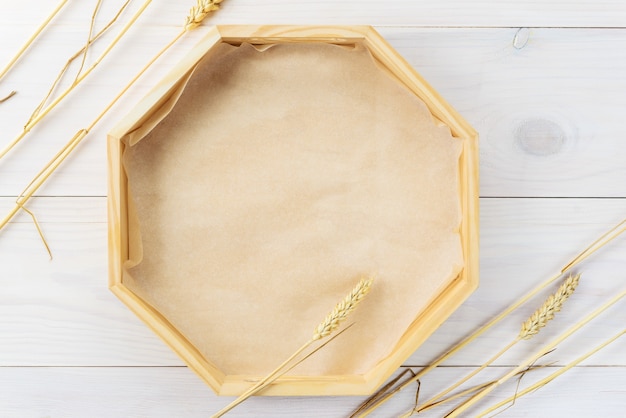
{"x":278,"y":179}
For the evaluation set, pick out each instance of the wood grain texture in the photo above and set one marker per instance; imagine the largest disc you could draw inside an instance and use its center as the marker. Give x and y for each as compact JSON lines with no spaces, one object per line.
{"x":541,"y":110}
{"x":139,"y":391}
{"x":533,"y":13}
{"x":547,"y":100}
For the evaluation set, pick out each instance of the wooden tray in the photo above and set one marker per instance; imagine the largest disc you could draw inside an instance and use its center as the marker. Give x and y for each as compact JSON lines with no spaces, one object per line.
{"x":238,"y":214}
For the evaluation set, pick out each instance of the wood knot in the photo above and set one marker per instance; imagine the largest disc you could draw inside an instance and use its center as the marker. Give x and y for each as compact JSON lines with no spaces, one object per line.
{"x":540,"y":137}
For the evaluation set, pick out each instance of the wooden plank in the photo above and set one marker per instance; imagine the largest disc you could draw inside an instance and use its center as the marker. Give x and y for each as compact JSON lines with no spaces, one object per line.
{"x":160,"y":391}
{"x":60,"y":312}
{"x":550,"y":13}
{"x":551,"y":109}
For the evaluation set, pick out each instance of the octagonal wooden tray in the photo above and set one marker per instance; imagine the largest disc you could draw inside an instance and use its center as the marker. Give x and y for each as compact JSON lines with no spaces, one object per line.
{"x":271,"y":169}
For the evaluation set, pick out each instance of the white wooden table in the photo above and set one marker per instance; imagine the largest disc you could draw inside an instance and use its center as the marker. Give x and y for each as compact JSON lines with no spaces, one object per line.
{"x":544,"y":83}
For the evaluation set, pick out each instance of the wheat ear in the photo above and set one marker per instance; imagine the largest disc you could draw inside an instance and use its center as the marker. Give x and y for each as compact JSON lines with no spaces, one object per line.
{"x":342,"y":309}
{"x":324,"y":329}
{"x":551,"y":306}
{"x":530,"y":327}
{"x":200,"y":11}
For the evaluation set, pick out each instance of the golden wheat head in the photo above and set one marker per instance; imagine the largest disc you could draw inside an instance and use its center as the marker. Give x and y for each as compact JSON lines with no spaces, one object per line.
{"x":200,"y":11}
{"x":343,"y":309}
{"x":552,"y":305}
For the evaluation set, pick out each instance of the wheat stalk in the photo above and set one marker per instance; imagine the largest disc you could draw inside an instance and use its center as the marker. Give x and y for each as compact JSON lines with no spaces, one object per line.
{"x":91,"y":39}
{"x":536,"y":356}
{"x":89,"y":35}
{"x":530,"y":327}
{"x":54,"y":163}
{"x":30,"y":40}
{"x":34,"y":121}
{"x":342,"y":309}
{"x":596,"y":245}
{"x":552,"y":376}
{"x":324,"y":329}
{"x":469,"y":391}
{"x":466,"y":392}
{"x":388,"y":389}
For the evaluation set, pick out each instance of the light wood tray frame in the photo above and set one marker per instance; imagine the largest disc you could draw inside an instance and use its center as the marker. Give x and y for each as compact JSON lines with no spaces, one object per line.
{"x":422,"y":326}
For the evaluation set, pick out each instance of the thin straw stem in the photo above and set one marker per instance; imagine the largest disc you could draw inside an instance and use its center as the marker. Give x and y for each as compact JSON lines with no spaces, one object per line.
{"x":532,"y":359}
{"x":315,"y":350}
{"x":30,"y":40}
{"x":552,"y":376}
{"x":433,"y":401}
{"x":278,"y":372}
{"x":50,"y":167}
{"x":464,"y":392}
{"x":388,"y":389}
{"x":38,"y":181}
{"x":89,"y":34}
{"x":8,"y":96}
{"x":595,"y":246}
{"x":39,"y":231}
{"x":448,"y":399}
{"x":133,"y":80}
{"x":263,"y":382}
{"x":84,"y":75}
{"x":53,"y":164}
{"x":83,"y":52}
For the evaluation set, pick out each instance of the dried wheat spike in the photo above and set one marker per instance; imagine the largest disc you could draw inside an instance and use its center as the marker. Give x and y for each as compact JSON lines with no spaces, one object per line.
{"x":199,"y":12}
{"x":342,"y":309}
{"x":552,"y":305}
